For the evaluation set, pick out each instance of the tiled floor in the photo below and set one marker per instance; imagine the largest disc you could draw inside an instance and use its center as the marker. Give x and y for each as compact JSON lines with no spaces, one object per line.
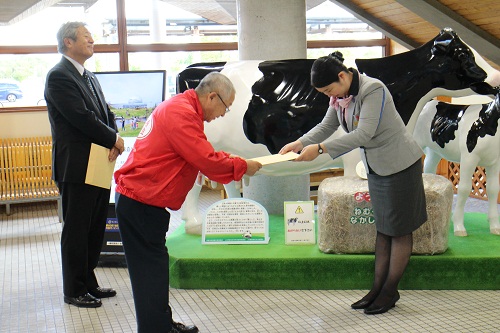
{"x":31,"y":295}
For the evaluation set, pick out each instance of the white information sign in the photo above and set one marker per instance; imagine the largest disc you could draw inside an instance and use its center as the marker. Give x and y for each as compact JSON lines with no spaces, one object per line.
{"x":236,"y":221}
{"x":299,"y":223}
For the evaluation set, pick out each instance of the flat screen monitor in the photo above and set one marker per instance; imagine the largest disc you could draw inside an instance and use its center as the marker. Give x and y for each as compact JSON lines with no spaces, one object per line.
{"x":133,"y":89}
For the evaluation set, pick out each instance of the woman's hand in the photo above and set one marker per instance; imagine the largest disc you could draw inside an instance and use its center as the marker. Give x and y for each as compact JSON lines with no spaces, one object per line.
{"x":309,"y":153}
{"x":295,"y":146}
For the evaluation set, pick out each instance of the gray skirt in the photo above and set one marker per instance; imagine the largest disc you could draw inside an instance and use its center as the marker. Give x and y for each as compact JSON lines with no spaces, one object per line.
{"x":398,"y":201}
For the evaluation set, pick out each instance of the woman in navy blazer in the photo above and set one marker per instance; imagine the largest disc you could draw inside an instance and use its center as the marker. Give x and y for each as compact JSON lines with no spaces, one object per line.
{"x":363,"y":106}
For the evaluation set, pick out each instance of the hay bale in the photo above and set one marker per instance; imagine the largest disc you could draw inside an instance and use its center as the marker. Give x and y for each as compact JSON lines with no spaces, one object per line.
{"x":346,"y":222}
{"x":432,"y":236}
{"x":345,"y":219}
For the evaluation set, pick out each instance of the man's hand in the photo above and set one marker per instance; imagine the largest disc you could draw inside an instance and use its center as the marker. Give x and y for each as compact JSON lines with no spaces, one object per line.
{"x":252,"y":167}
{"x":113,"y":154}
{"x":120,"y":144}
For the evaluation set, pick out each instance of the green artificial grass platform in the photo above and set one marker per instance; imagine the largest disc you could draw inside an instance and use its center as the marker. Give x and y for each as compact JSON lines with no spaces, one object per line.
{"x":471,"y":262}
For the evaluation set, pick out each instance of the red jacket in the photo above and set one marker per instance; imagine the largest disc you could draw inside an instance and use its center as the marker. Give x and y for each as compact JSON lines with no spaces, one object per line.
{"x":169,"y":152}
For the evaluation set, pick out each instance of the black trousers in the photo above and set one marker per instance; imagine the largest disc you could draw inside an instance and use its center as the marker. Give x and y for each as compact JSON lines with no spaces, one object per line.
{"x":85,"y":209}
{"x":143,"y":229}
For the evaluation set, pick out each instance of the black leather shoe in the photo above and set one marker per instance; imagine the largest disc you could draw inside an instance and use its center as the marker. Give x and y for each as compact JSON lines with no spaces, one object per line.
{"x":361,"y":304}
{"x":102,"y":292}
{"x":84,"y":301}
{"x":181,"y":328}
{"x":384,"y":308}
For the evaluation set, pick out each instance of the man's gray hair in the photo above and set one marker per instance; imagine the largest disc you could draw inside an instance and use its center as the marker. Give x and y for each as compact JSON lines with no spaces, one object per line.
{"x":67,"y":30}
{"x":217,"y":82}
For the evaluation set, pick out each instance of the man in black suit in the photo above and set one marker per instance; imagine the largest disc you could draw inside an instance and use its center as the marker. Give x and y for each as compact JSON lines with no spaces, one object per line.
{"x":79,"y":116}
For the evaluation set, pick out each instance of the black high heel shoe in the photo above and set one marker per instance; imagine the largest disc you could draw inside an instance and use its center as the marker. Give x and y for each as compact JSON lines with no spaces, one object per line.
{"x":384,"y":308}
{"x":361,"y":304}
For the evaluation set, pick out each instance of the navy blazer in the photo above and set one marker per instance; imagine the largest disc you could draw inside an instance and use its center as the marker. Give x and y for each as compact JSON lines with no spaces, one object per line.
{"x":77,"y":119}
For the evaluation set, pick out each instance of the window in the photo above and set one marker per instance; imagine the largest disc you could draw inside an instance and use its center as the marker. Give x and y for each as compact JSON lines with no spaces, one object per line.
{"x":349,"y":53}
{"x":174,"y":62}
{"x":322,"y":25}
{"x":159,"y":22}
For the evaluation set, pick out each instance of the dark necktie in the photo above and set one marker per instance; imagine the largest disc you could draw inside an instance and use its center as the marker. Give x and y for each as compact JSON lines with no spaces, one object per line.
{"x":87,"y":79}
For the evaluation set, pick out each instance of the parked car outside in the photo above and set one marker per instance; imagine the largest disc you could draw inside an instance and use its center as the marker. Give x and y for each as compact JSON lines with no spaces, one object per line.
{"x":10,"y":90}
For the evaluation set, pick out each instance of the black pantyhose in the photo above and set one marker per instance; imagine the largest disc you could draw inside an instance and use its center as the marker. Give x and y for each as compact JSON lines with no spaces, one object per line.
{"x":392,"y":255}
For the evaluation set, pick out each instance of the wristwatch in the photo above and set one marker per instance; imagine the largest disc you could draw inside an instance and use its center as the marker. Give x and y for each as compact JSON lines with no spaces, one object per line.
{"x":320,"y":150}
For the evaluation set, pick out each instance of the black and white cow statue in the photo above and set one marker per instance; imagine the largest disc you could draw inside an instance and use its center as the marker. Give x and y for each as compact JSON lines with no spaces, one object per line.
{"x":469,"y":135}
{"x":275,"y":103}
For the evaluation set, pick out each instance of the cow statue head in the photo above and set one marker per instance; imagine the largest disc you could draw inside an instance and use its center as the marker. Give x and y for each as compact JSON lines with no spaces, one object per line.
{"x":447,"y":44}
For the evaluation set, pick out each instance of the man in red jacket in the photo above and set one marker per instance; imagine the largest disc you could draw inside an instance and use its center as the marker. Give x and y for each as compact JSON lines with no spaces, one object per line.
{"x":159,"y":172}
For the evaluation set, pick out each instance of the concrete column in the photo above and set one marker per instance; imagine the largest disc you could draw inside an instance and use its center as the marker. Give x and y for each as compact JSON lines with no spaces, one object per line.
{"x":273,"y":30}
{"x":272,"y":191}
{"x":157,"y":28}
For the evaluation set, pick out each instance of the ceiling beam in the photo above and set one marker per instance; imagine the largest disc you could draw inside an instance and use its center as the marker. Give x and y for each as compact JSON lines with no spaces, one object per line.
{"x":441,"y":16}
{"x":26,"y":8}
{"x":230,"y":7}
{"x":34,"y":7}
{"x":222,"y":12}
{"x":377,"y":24}
{"x":313,"y":3}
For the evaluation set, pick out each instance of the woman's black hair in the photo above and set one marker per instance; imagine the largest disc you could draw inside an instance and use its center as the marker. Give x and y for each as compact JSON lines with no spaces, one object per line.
{"x":325,"y":70}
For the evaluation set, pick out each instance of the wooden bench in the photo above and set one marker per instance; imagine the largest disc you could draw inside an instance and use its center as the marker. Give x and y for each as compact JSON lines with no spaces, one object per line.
{"x":26,"y":172}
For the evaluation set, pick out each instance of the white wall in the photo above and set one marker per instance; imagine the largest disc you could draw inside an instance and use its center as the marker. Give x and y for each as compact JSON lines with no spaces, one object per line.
{"x":24,"y":124}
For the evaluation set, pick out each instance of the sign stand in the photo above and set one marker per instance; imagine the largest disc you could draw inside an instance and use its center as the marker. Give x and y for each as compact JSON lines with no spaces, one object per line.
{"x":236,"y":221}
{"x":300,"y":226}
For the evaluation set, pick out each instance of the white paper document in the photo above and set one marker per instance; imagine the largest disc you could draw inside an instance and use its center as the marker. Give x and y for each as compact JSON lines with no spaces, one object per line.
{"x":276,"y":158}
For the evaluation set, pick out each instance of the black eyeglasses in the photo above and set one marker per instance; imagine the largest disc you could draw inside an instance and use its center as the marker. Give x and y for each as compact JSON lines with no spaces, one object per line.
{"x":227,"y":108}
